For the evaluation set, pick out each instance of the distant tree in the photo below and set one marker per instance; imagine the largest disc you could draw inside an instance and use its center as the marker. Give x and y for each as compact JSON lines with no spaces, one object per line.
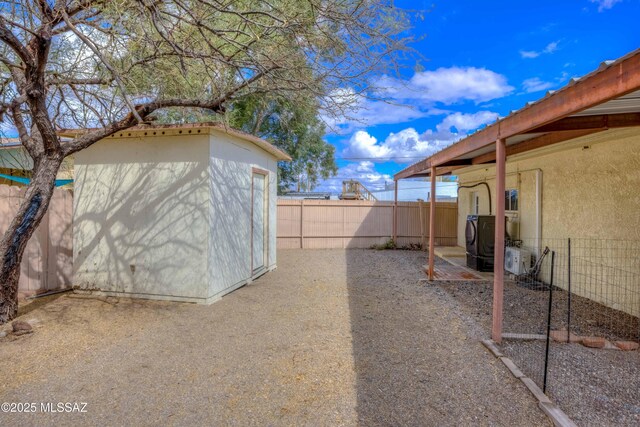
{"x":292,"y":124}
{"x":109,"y":65}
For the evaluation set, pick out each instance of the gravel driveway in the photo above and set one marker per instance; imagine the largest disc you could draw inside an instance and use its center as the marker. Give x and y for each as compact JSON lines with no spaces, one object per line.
{"x":332,"y":337}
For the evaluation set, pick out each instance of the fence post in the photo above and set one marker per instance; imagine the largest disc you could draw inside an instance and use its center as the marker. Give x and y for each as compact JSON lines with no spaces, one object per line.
{"x":546,"y":356}
{"x":344,"y":220}
{"x":569,"y":290}
{"x":421,"y":219}
{"x":301,"y":224}
{"x":395,"y":213}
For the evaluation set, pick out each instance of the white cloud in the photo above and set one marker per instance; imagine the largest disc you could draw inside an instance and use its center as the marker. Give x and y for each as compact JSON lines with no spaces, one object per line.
{"x":605,"y":4}
{"x":401,"y":101}
{"x":357,"y":110}
{"x":548,"y":49}
{"x":408,"y":145}
{"x":466,"y":122}
{"x":551,"y":47}
{"x":534,"y":84}
{"x":363,"y":171}
{"x":448,"y":86}
{"x":529,"y":54}
{"x":362,"y":144}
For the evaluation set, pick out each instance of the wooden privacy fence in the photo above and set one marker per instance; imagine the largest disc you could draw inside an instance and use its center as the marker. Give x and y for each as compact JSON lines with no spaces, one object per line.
{"x":47,"y":263}
{"x":324,"y":224}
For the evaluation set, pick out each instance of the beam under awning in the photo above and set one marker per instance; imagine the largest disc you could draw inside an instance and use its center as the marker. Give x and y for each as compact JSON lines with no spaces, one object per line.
{"x":440,"y":171}
{"x":537,"y":142}
{"x":600,"y":121}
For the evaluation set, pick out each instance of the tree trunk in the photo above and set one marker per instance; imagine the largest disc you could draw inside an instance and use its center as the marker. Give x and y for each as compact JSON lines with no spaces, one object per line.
{"x":27,"y":219}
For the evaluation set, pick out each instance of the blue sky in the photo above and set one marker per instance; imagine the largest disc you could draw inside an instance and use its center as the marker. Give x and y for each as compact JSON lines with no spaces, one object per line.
{"x":482,"y":59}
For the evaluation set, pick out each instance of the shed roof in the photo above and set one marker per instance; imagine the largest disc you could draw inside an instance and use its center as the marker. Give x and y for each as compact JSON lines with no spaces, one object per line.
{"x":608,"y":97}
{"x":187,"y":129}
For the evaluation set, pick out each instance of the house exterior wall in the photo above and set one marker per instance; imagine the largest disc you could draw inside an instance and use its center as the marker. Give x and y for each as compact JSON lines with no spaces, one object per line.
{"x":589,"y":190}
{"x":141,"y":217}
{"x":231,"y":163}
{"x":585,"y":192}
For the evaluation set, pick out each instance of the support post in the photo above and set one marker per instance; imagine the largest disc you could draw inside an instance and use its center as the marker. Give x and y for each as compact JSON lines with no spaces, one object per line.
{"x":432,"y":223}
{"x":498,"y":255}
{"x":421,"y":217}
{"x":395,"y":212}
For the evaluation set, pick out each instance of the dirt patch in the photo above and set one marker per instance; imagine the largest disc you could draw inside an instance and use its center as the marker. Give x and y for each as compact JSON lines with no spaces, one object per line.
{"x":332,"y":337}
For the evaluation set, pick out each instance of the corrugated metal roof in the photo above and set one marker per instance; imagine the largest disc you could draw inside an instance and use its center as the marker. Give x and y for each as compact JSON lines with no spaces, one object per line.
{"x":629,"y":103}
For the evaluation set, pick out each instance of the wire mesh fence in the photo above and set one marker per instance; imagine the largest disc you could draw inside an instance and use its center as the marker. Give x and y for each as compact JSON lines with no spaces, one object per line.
{"x":571,"y":315}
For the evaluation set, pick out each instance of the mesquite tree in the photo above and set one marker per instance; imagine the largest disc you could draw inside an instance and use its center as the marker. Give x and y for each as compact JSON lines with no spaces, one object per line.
{"x":106,"y":65}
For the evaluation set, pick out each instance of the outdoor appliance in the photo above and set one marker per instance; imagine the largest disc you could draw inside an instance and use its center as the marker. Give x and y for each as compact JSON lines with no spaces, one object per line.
{"x":517,"y":260}
{"x":480,"y":238}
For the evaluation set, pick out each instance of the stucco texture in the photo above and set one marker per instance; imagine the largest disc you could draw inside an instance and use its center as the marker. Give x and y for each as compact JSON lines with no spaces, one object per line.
{"x":589,"y":191}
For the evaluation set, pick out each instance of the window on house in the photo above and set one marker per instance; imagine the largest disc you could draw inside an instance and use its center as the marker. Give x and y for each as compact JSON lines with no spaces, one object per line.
{"x":511,"y":200}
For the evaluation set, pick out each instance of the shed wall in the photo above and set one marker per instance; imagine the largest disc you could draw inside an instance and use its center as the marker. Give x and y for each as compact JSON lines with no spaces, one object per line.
{"x":230,"y":171}
{"x":141,"y":213}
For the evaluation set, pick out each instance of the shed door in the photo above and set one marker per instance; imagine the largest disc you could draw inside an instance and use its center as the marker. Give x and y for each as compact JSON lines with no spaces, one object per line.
{"x":259,"y":226}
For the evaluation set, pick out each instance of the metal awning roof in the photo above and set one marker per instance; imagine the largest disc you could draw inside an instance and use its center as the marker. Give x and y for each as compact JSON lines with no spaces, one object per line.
{"x":606,"y":98}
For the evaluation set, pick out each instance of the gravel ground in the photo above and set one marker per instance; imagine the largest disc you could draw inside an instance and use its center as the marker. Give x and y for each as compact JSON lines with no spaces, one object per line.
{"x":526,"y":311}
{"x":594,"y":387}
{"x":331,"y":337}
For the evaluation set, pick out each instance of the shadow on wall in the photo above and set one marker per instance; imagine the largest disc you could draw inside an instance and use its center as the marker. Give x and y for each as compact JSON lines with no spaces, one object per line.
{"x":141,"y":227}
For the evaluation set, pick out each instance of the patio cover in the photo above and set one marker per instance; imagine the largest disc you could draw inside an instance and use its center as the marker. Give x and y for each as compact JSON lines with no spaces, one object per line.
{"x":606,"y":98}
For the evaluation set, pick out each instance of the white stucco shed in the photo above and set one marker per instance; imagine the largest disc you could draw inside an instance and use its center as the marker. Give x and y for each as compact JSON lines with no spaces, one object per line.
{"x":185,"y":213}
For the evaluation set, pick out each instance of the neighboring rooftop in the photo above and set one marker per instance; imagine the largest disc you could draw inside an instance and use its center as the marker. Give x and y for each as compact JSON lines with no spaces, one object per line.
{"x":317,"y":195}
{"x":9,"y":143}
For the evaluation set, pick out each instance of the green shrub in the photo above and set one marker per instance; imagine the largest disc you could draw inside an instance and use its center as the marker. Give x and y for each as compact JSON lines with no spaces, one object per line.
{"x":389,"y":244}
